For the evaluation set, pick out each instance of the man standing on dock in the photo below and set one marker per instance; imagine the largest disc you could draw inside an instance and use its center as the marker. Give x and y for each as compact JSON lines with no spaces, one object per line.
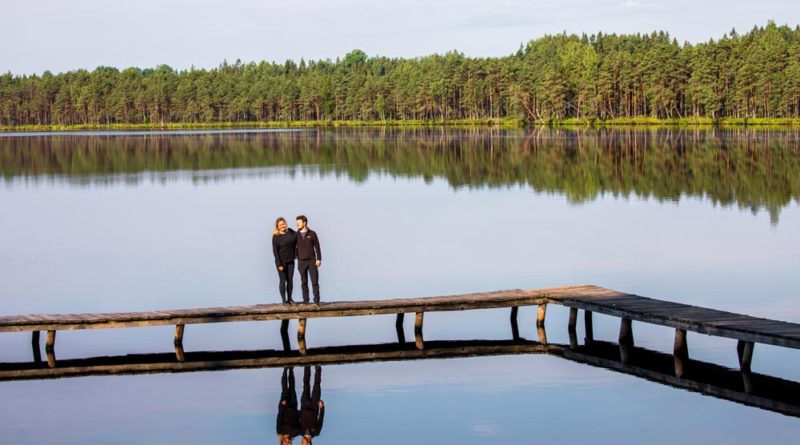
{"x":309,"y":257}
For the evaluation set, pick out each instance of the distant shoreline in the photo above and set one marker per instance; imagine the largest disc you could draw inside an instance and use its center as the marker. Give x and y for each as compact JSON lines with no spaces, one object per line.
{"x":498,"y":123}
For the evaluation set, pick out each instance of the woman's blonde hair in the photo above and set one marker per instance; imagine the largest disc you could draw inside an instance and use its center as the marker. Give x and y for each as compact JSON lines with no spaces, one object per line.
{"x":276,"y":232}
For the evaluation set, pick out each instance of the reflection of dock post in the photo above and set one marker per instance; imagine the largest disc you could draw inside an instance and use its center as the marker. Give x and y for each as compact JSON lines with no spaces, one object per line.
{"x":49,"y":348}
{"x":287,"y":346}
{"x":587,"y":322}
{"x":37,"y":352}
{"x":514,"y":325}
{"x":418,"y":331}
{"x":680,"y":352}
{"x":747,"y":381}
{"x":745,"y":350}
{"x":301,"y":335}
{"x":398,"y":326}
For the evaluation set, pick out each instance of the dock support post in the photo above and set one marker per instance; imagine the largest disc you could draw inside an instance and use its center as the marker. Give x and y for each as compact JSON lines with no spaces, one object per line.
{"x":573,"y":319}
{"x":37,"y":351}
{"x":178,"y":342}
{"x":287,"y":346}
{"x":420,"y":342}
{"x":680,"y":352}
{"x":626,"y":332}
{"x":540,"y":314}
{"x":51,"y":340}
{"x":745,"y":350}
{"x":50,"y":349}
{"x":179,"y":334}
{"x":625,"y":340}
{"x":680,"y":347}
{"x":301,"y":336}
{"x":514,"y":325}
{"x":398,"y":326}
{"x":587,"y":322}
{"x":572,"y":328}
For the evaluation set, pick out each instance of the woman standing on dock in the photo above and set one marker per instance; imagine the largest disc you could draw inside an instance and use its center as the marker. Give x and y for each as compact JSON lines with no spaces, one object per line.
{"x":284,"y":245}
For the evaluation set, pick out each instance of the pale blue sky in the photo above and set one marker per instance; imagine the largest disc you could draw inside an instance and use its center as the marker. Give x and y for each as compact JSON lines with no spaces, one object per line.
{"x":62,"y":35}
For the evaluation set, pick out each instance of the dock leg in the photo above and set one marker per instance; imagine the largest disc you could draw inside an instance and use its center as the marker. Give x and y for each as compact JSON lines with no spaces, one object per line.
{"x":573,"y":319}
{"x":37,"y":351}
{"x":626,"y":332}
{"x":301,"y":336}
{"x":514,"y":325}
{"x":287,"y":346}
{"x":540,"y":314}
{"x":420,"y":342}
{"x":178,"y":343}
{"x":49,"y":349}
{"x":680,"y":352}
{"x":398,"y":326}
{"x":680,"y":348}
{"x":587,"y":322}
{"x":178,"y":335}
{"x":625,"y":340}
{"x":745,"y":350}
{"x":572,"y":328}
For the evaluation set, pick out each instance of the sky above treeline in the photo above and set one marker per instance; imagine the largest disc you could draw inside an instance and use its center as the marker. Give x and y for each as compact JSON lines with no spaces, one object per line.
{"x":58,"y":35}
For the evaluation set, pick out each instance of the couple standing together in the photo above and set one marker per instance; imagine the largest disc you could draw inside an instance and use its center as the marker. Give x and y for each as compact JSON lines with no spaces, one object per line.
{"x":302,"y":244}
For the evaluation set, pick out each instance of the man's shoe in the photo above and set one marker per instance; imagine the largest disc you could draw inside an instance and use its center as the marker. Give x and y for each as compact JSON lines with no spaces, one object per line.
{"x":316,"y":302}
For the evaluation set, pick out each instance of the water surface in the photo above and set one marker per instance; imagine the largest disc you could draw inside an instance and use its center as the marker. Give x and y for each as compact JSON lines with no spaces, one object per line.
{"x":117,"y":222}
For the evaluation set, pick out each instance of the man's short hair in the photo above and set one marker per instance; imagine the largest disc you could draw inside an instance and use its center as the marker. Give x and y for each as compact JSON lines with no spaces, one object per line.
{"x":302,"y":218}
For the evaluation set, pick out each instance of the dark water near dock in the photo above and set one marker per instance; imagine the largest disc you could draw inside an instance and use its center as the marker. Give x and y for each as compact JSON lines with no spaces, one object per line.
{"x":123,"y":222}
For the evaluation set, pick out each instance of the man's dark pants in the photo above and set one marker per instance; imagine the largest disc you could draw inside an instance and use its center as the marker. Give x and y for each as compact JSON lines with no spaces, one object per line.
{"x":306,"y":268}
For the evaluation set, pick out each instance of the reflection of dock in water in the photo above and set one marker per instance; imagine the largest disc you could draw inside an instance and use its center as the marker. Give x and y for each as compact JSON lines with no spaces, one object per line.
{"x":745,"y":387}
{"x":741,"y":385}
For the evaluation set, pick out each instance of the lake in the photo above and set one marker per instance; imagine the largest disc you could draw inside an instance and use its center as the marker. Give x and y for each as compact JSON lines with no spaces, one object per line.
{"x":127,"y":221}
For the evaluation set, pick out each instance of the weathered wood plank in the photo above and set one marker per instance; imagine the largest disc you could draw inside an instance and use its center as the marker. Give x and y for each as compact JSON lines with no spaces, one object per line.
{"x":586,"y":297}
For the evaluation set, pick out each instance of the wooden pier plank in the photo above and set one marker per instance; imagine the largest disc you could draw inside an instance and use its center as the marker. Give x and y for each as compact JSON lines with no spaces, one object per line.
{"x":678,"y":315}
{"x":586,"y":297}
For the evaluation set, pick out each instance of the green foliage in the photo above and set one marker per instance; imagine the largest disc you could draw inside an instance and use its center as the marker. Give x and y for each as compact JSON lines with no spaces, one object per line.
{"x":555,"y":79}
{"x":730,"y":166}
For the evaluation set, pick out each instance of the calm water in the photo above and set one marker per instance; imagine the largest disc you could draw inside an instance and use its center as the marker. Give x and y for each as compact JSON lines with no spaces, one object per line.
{"x":97,"y":222}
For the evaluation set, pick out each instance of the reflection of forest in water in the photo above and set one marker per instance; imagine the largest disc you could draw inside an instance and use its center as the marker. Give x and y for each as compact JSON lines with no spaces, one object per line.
{"x":754,"y":169}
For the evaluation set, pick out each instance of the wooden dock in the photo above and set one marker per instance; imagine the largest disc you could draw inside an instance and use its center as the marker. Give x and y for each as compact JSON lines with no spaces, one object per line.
{"x":628,"y":307}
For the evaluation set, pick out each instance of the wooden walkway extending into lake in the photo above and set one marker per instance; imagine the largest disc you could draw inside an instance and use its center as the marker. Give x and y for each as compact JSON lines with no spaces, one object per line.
{"x":747,"y":330}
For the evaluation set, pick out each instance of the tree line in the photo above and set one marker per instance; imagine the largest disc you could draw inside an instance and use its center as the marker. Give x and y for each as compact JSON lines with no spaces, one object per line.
{"x":601,"y":76}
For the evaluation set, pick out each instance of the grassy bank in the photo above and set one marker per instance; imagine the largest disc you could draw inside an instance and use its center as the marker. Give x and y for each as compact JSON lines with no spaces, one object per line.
{"x":500,"y":123}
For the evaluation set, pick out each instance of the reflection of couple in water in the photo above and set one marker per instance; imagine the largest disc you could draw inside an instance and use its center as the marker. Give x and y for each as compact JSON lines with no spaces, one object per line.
{"x":307,"y":421}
